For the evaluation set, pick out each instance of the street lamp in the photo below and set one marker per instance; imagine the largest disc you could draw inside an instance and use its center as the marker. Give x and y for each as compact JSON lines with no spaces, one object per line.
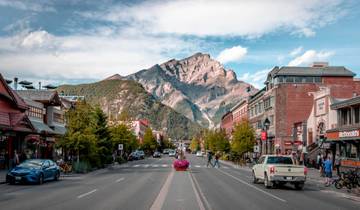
{"x":266,"y":126}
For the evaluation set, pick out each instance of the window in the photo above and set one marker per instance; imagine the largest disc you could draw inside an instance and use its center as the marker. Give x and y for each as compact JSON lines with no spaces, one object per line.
{"x":259,"y":125}
{"x":268,"y":103}
{"x":357,"y":115}
{"x":58,"y":118}
{"x":298,"y":79}
{"x":279,"y":160}
{"x":35,"y":112}
{"x":261,"y":160}
{"x":289,"y":79}
{"x":271,"y":118}
{"x":317,"y":79}
{"x":309,"y":79}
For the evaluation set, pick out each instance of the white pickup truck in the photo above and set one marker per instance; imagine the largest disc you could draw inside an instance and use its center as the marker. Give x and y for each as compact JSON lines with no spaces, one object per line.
{"x":278,"y":170}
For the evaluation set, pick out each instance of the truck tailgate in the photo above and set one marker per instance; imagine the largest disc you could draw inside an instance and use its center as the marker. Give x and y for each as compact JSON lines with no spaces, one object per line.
{"x":289,"y":170}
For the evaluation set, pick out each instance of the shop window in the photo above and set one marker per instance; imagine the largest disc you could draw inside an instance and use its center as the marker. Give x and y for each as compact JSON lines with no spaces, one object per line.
{"x":317,"y":79}
{"x":309,"y":79}
{"x":298,"y":79}
{"x":357,"y":115}
{"x":289,"y":79}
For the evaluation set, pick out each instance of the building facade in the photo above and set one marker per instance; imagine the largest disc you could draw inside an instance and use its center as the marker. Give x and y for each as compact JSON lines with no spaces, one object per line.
{"x":344,"y":138}
{"x":227,"y":124}
{"x":240,"y":112}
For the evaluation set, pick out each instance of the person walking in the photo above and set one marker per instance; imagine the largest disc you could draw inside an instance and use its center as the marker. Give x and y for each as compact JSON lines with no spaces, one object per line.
{"x":321,"y":166}
{"x":328,"y":171}
{"x":318,"y":157}
{"x":16,"y":159}
{"x":216,"y":163}
{"x":210,"y":157}
{"x":337,"y":164}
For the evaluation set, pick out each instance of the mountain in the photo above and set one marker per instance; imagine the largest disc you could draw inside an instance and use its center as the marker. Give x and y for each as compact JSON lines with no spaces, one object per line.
{"x":199,"y":87}
{"x":117,"y":96}
{"x":114,"y":77}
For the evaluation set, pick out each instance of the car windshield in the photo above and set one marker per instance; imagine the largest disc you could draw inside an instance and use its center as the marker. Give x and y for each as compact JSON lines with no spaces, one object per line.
{"x":31,"y":164}
{"x":279,"y":160}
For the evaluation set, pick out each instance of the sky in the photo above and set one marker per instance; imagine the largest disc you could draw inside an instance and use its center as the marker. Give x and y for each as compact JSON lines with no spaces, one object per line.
{"x":81,"y":41}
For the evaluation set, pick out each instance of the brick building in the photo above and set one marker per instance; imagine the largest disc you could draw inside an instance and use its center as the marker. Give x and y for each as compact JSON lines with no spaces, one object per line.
{"x":227,"y":124}
{"x":240,"y":112}
{"x":288,"y":91}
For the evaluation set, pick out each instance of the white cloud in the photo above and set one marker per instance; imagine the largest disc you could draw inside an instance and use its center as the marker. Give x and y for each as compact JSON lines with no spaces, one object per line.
{"x":296,"y":51}
{"x":311,"y":56}
{"x":233,"y":54}
{"x":257,"y":79}
{"x":94,"y":56}
{"x":28,"y":5}
{"x":225,"y":18}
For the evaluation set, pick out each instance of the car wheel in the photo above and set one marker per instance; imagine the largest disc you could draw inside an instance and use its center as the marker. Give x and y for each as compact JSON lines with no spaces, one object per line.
{"x":255,"y":180}
{"x":299,"y":185}
{"x":57,"y":176}
{"x":41,"y":179}
{"x":267,"y":183}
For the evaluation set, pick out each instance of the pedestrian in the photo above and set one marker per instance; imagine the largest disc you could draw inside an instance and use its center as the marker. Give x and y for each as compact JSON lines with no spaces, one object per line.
{"x":7,"y":158}
{"x":16,"y":160}
{"x":210,"y":157}
{"x":321,"y":165}
{"x":217,"y":156}
{"x":328,"y":171}
{"x":318,"y":157}
{"x":337,"y":164}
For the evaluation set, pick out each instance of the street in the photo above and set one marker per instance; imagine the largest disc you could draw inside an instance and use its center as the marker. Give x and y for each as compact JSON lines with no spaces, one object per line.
{"x":154,"y":184}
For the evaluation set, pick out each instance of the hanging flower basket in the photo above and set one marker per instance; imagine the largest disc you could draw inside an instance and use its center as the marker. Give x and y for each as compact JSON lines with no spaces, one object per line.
{"x":181,"y":165}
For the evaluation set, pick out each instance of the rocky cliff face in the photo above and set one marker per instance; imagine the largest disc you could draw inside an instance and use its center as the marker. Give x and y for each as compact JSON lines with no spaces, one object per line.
{"x":116,"y":96}
{"x":199,"y":87}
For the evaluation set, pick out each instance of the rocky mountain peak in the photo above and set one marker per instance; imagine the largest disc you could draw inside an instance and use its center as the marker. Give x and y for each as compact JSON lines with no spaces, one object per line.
{"x":115,"y":77}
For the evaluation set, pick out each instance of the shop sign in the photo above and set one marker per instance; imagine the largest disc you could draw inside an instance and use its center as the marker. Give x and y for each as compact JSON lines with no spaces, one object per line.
{"x":345,"y":134}
{"x":256,"y":148}
{"x":326,"y":145}
{"x":320,"y":107}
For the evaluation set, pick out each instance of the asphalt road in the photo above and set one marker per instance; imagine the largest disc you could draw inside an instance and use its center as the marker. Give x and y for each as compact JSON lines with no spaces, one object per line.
{"x":153,"y":184}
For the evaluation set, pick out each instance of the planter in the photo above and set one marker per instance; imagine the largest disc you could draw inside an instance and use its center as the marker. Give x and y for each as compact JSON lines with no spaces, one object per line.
{"x":181,"y":165}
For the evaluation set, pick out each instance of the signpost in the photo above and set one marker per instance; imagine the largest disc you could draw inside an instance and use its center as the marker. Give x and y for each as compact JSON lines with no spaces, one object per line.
{"x":120,"y":147}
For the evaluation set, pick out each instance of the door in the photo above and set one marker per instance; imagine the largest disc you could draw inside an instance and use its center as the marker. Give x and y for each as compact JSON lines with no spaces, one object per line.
{"x":258,"y":169}
{"x":47,"y":170}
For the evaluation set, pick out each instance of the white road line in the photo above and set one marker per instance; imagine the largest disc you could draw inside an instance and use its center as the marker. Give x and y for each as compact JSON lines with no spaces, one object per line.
{"x":135,"y":166}
{"x":159,"y":201}
{"x":119,"y":180}
{"x":146,"y":165}
{"x":194,"y":183}
{"x":197,"y":166}
{"x":154,"y":166}
{"x":86,"y":194}
{"x":256,"y":188}
{"x":164,"y":165}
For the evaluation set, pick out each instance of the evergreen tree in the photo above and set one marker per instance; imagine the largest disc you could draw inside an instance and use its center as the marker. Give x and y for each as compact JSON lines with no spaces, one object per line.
{"x":102,"y":133}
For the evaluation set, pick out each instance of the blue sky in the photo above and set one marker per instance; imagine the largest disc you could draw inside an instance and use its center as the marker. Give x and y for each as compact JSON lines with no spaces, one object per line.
{"x":73,"y":41}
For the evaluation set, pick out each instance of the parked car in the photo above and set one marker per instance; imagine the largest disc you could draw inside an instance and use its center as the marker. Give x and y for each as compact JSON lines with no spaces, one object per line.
{"x":34,"y":171}
{"x":199,"y":154}
{"x":157,"y":155}
{"x":172,"y":153}
{"x":133,"y":156}
{"x":166,"y":151}
{"x":141,"y":154}
{"x":279,"y":170}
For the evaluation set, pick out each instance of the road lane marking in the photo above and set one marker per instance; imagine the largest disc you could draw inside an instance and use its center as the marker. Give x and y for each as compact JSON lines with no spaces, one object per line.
{"x":164,"y":165}
{"x":197,"y":166}
{"x":146,"y":165}
{"x":119,"y":180}
{"x":86,"y":194}
{"x":156,"y":165}
{"x":199,"y":193}
{"x":159,"y":201}
{"x":135,"y":166}
{"x":250,"y":185}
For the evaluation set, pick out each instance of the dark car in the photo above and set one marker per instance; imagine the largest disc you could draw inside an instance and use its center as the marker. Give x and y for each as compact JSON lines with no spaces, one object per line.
{"x":134,"y":156}
{"x":157,"y":155}
{"x":35,"y":171}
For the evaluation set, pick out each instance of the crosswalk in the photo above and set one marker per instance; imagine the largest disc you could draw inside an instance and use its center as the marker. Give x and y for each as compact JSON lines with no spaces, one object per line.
{"x":164,"y":166}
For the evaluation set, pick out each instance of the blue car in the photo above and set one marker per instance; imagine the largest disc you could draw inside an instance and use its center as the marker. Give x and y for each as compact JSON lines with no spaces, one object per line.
{"x":34,"y":171}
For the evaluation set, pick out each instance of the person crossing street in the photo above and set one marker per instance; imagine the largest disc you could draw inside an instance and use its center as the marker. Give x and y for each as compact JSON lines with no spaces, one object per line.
{"x":209,"y":157}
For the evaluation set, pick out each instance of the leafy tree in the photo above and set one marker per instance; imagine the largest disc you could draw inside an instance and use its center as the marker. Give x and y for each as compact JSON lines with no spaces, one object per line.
{"x":149,"y":143}
{"x":243,"y":139}
{"x":195,"y":144}
{"x":121,"y":134}
{"x":216,"y":140}
{"x":102,"y":133}
{"x":80,"y":138}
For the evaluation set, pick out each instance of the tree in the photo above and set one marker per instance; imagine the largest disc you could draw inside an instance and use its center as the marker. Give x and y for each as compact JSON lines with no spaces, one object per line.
{"x":243,"y":139}
{"x":121,"y":134}
{"x":195,"y":144}
{"x":80,"y":138}
{"x":102,"y":133}
{"x":149,"y":143}
{"x":216,"y":140}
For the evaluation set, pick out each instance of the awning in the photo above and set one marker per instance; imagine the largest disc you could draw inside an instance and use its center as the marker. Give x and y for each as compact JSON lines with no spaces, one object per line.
{"x":59,"y":130}
{"x":41,"y":127}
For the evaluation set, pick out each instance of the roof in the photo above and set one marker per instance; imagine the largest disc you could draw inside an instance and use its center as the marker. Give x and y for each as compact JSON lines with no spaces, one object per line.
{"x":238,"y":104}
{"x":41,"y":127}
{"x":346,"y":103}
{"x":12,"y":95}
{"x":229,"y":113}
{"x":338,"y":71}
{"x":257,"y":95}
{"x":60,"y":130}
{"x":44,"y":96}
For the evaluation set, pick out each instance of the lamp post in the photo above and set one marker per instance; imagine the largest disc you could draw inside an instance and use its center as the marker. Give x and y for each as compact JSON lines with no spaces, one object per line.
{"x":266,"y":126}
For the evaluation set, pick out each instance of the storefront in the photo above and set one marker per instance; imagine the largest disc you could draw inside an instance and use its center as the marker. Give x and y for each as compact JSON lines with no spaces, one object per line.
{"x":346,"y":143}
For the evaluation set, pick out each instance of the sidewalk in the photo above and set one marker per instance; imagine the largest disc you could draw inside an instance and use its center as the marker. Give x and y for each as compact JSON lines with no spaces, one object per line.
{"x":3,"y":176}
